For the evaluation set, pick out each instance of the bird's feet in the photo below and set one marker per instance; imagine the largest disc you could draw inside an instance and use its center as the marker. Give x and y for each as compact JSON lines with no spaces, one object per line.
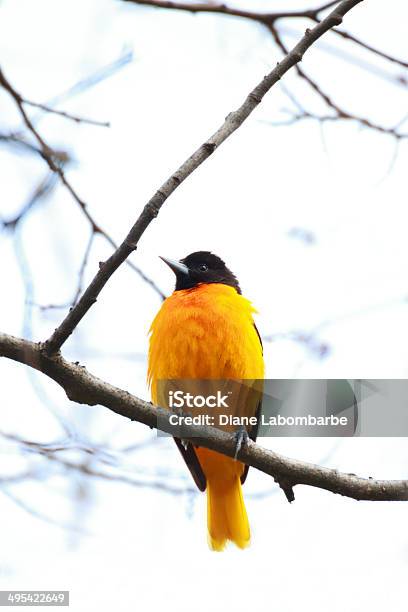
{"x":241,"y":438}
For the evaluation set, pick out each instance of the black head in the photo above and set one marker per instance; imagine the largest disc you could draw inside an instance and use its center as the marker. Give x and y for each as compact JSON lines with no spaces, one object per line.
{"x":201,"y":267}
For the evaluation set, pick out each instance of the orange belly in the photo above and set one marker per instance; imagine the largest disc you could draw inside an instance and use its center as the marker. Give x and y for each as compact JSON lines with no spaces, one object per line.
{"x":205,"y":332}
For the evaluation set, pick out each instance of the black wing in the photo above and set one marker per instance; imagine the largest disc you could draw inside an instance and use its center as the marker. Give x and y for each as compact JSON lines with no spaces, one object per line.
{"x":253,"y":432}
{"x":189,"y":455}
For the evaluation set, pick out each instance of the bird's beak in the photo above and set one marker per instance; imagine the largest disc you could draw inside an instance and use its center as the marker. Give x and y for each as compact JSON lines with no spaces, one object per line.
{"x":176,"y":266}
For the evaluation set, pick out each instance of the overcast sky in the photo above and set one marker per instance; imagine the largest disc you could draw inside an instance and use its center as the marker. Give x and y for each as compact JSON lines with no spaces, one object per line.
{"x":253,"y":202}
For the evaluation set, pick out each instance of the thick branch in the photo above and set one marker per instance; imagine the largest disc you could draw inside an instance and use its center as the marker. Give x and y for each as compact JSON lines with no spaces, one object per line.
{"x":232,"y":122}
{"x":82,"y":387}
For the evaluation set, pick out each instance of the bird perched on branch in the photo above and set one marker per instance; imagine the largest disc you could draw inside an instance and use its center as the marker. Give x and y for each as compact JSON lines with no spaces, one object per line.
{"x":205,"y":330}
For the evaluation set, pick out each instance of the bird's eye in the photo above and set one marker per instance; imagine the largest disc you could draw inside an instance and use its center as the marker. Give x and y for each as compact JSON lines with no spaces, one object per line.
{"x":203,"y":267}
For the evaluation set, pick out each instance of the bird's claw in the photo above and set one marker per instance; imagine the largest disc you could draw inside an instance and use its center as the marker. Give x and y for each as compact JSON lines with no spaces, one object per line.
{"x":241,"y":438}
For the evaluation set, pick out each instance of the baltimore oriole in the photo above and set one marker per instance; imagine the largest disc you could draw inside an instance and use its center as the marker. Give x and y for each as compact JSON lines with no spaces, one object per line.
{"x":205,"y":330}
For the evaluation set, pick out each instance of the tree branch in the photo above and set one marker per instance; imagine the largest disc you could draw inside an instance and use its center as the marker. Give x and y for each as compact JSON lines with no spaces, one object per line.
{"x":232,"y":122}
{"x":269,"y":20}
{"x":70,"y":116}
{"x":43,"y":189}
{"x":55,"y":164}
{"x":374,"y":50}
{"x":265,"y":18}
{"x":340,"y":113}
{"x":82,"y":387}
{"x":223,"y":9}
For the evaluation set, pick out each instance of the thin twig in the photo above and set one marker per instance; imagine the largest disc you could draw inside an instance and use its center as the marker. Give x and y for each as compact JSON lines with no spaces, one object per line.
{"x":61,"y":113}
{"x":93,"y":79}
{"x":72,"y":302}
{"x":223,"y":9}
{"x":18,"y":141}
{"x":340,"y":113}
{"x":357,"y":41}
{"x":40,"y":192}
{"x":82,"y":268}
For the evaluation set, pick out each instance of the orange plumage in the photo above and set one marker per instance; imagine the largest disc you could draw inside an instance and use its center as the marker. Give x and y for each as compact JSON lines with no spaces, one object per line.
{"x":207,"y":332}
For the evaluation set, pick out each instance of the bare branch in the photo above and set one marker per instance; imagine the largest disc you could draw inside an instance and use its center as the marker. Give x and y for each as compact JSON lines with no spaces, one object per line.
{"x":76,"y":118}
{"x":19,"y":142}
{"x":223,"y":9}
{"x":56,"y":165}
{"x":370,"y":48}
{"x":156,"y":484}
{"x":42,"y":190}
{"x":52,"y":453}
{"x":47,"y":152}
{"x":78,"y":290}
{"x":82,"y":268}
{"x":340,"y":113}
{"x":82,"y":387}
{"x":265,"y":18}
{"x":92,"y":79}
{"x":232,"y":122}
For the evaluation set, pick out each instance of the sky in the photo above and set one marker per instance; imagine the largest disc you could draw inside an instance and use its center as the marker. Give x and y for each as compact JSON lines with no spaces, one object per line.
{"x":121,"y":545}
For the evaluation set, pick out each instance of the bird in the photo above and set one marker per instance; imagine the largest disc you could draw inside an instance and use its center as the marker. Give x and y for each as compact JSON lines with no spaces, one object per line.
{"x":205,"y":330}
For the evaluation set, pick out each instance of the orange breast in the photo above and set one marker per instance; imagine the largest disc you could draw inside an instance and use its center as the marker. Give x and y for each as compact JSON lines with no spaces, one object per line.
{"x":205,"y":332}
